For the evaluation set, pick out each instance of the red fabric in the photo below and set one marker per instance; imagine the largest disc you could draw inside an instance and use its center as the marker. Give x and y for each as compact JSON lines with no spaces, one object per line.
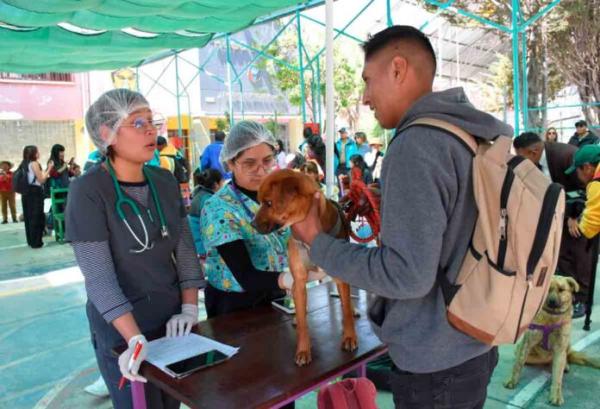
{"x":6,"y":182}
{"x":352,"y":393}
{"x":365,"y":202}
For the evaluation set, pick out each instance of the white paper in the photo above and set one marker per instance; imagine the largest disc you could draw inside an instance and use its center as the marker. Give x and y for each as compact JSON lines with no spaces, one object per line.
{"x":165,"y":351}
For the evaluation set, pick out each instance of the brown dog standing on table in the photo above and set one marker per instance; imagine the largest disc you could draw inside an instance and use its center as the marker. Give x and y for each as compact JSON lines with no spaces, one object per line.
{"x":285,"y":197}
{"x":548,"y":339}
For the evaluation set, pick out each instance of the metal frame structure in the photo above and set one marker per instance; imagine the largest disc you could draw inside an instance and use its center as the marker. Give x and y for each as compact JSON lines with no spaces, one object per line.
{"x":306,"y":62}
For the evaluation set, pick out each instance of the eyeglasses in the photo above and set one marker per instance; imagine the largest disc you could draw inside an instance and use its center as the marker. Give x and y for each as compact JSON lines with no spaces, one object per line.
{"x":252,"y":166}
{"x":143,"y":124}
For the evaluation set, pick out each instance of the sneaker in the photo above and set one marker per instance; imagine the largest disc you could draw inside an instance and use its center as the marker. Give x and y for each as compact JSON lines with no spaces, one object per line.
{"x":97,"y":388}
{"x":578,"y":310}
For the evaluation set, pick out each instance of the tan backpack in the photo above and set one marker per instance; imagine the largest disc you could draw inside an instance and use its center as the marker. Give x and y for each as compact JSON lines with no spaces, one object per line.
{"x":506,"y":273}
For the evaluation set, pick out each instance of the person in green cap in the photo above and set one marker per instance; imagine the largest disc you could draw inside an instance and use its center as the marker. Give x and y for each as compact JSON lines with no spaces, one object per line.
{"x":586,"y":163}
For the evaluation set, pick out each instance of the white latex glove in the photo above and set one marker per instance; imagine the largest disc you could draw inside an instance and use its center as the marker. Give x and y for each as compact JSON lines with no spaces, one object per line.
{"x":129,"y":368}
{"x":181,"y":324}
{"x":288,"y":280}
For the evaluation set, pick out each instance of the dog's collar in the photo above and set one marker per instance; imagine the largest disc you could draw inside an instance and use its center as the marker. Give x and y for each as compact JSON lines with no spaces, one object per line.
{"x":555,"y":312}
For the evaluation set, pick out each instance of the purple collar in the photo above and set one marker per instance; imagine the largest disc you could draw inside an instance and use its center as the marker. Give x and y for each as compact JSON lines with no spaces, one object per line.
{"x":546,"y":331}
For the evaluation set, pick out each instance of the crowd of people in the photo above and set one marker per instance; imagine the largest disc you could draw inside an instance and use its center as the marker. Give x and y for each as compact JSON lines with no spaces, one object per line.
{"x":127,"y":220}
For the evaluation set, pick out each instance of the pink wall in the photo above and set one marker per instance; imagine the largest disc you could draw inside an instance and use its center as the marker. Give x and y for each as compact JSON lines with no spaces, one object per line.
{"x":36,"y":100}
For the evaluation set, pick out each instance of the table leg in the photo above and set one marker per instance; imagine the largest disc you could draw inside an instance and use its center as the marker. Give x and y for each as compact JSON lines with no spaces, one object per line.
{"x":138,"y":396}
{"x":362,"y":370}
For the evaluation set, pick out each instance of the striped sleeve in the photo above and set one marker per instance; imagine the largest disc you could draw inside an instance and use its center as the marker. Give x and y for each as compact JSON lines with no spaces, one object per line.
{"x":103,"y":290}
{"x":188,"y":265}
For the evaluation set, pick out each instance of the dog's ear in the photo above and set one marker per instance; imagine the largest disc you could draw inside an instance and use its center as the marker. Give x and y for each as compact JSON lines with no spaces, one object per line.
{"x":573,"y":284}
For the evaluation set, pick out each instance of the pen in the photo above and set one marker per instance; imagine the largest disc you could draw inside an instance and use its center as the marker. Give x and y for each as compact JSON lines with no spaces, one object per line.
{"x":136,"y":354}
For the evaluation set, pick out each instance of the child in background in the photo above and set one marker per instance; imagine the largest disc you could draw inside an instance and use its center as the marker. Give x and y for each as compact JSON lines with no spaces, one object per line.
{"x":7,"y":194}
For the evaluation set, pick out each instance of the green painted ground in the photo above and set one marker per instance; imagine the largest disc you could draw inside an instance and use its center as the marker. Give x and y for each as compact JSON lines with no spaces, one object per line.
{"x":46,"y":358}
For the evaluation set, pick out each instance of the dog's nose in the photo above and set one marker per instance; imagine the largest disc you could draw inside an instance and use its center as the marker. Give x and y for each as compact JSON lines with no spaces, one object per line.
{"x":553,"y":303}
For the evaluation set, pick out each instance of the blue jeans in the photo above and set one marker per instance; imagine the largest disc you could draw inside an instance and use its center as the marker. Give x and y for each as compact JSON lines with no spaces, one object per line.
{"x":461,"y":387}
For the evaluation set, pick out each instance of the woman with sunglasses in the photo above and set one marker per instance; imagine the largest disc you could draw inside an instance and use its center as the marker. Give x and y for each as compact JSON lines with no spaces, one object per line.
{"x":551,"y":135}
{"x":131,"y":239}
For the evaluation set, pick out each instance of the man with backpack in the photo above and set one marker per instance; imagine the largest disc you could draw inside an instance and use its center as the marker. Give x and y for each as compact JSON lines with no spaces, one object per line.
{"x":428,"y":217}
{"x":172,"y":160}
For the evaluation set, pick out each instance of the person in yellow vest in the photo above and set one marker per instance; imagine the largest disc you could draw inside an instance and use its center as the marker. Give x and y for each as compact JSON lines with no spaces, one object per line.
{"x":586,"y":162}
{"x":167,"y":153}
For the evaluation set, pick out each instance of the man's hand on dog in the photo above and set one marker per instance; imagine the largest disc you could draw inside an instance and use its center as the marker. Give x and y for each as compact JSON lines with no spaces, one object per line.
{"x":310,"y":227}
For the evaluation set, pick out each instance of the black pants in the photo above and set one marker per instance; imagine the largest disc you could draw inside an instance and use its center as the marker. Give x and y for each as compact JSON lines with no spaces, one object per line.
{"x":577,"y":259}
{"x":219,"y":302}
{"x":461,"y":387}
{"x":33,"y":213}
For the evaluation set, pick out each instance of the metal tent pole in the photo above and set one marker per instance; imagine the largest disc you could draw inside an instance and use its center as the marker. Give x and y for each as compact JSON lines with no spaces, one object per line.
{"x":179,"y":131}
{"x":329,"y":96}
{"x":231,"y":120}
{"x":515,"y":61}
{"x":301,"y":64}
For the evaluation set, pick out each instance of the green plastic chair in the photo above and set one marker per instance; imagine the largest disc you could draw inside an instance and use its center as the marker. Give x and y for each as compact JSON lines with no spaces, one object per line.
{"x":59,"y":204}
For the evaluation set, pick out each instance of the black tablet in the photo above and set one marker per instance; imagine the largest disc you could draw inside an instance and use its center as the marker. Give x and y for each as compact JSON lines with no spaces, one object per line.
{"x":189,"y":365}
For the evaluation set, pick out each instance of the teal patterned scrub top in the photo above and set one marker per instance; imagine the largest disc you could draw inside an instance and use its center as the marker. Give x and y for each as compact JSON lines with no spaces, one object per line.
{"x":227,"y":217}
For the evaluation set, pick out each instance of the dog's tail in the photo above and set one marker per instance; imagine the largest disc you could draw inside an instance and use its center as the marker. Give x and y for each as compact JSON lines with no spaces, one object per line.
{"x":579,"y":358}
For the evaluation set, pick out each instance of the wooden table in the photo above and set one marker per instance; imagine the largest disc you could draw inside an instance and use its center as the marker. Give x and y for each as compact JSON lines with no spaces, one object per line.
{"x":263,"y":373}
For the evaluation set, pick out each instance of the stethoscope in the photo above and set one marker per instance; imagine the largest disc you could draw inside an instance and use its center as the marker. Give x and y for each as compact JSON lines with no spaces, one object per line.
{"x":279,"y":249}
{"x":123,"y":200}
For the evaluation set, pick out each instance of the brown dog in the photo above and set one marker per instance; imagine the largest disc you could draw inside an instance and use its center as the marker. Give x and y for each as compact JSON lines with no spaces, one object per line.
{"x":548,"y":339}
{"x":285,"y":198}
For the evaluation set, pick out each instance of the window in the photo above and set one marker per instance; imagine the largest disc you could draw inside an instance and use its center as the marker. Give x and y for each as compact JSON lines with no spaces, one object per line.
{"x":48,"y":76}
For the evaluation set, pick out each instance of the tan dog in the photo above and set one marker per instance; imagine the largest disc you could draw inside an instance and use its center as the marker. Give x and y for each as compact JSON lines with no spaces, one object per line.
{"x":285,"y":198}
{"x":548,"y":339}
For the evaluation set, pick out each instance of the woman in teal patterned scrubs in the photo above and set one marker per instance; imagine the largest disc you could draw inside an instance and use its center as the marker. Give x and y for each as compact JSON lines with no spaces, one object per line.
{"x":244,"y":269}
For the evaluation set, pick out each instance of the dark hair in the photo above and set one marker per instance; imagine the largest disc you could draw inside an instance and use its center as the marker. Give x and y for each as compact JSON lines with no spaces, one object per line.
{"x":310,"y":167}
{"x":360,"y":134}
{"x":207,"y":178}
{"x":526,"y":139}
{"x":280,"y":145}
{"x":548,"y":131}
{"x":297,"y":162}
{"x":307,"y":132}
{"x":29,"y":153}
{"x":410,"y":34}
{"x":219,"y":136}
{"x":580,"y":123}
{"x":359,"y":162}
{"x":161,"y":140}
{"x":55,"y":155}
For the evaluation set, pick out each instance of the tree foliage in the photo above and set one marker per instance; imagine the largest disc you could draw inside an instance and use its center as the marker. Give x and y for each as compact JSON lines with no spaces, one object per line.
{"x":347,"y":83}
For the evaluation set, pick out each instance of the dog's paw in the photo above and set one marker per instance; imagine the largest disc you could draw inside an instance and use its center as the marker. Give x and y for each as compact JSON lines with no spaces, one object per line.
{"x":556,"y":398}
{"x":303,"y":358}
{"x":510,"y":383}
{"x":349,"y":343}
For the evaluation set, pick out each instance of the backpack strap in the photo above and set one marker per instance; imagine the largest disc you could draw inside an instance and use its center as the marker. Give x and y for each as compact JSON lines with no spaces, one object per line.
{"x":448,"y":288}
{"x":465,"y":138}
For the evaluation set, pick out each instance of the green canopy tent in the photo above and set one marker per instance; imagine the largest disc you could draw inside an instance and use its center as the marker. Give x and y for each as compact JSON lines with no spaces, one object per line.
{"x":83,"y":35}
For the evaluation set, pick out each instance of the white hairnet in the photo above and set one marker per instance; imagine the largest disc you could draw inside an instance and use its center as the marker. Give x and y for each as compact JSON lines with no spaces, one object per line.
{"x":110,"y":109}
{"x":244,"y":135}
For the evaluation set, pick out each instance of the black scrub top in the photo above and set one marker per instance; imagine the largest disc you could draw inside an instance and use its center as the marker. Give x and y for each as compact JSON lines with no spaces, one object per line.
{"x":149,"y":279}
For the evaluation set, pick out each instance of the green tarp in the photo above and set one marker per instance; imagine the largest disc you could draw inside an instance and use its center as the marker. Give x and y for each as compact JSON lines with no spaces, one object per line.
{"x":82,"y":35}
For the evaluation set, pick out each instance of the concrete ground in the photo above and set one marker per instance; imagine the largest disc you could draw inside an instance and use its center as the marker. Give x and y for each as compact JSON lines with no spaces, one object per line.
{"x":46,"y":358}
